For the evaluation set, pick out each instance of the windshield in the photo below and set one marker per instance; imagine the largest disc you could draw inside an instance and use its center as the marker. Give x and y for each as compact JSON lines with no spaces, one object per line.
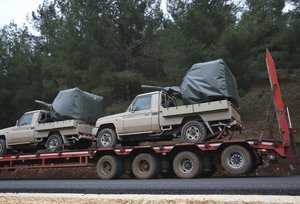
{"x":26,"y":119}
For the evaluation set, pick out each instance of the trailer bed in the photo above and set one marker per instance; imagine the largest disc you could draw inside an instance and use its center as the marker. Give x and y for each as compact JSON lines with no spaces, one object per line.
{"x":85,"y":157}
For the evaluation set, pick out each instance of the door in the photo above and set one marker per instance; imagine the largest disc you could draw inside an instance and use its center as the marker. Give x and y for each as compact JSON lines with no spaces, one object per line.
{"x":139,"y":117}
{"x":24,"y":130}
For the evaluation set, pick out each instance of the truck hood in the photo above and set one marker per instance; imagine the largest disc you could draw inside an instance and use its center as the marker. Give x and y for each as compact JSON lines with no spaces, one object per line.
{"x":109,"y":119}
{"x":5,"y":130}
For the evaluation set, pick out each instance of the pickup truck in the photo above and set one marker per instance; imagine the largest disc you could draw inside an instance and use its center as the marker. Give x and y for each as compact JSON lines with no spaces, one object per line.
{"x":36,"y":129}
{"x":156,"y":116}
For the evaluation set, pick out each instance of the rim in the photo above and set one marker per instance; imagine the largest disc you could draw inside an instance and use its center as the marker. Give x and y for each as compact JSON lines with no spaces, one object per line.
{"x":106,"y":139}
{"x":186,"y":166}
{"x":193,"y":133}
{"x":143,"y":166}
{"x":106,"y":167}
{"x":53,"y":144}
{"x":236,"y":160}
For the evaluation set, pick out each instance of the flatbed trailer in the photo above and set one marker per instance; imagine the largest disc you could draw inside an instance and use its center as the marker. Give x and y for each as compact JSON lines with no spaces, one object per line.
{"x":184,"y":160}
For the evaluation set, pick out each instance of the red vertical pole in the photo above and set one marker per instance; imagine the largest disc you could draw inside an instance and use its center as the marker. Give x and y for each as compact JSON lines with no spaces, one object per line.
{"x":279,"y":107}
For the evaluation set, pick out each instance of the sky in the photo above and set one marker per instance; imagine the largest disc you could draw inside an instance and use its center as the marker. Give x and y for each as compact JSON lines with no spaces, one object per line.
{"x":17,"y":10}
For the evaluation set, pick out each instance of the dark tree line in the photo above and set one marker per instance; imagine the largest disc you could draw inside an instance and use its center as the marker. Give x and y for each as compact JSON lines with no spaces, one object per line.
{"x":111,"y":47}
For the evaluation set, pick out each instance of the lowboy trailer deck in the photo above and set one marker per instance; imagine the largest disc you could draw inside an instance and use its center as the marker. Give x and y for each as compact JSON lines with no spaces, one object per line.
{"x":184,"y":160}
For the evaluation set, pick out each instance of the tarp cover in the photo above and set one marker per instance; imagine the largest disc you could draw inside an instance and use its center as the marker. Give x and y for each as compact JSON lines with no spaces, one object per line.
{"x":77,"y":104}
{"x":207,"y":81}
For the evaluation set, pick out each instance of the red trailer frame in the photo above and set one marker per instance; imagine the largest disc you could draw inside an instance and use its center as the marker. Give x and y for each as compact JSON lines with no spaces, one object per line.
{"x":81,"y":158}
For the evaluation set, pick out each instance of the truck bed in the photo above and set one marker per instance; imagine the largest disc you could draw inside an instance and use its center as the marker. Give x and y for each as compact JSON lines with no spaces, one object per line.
{"x":57,"y":124}
{"x":222,"y":105}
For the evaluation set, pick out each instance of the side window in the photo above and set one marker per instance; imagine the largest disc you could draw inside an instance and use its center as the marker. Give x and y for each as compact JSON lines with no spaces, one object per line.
{"x":142,"y":103}
{"x":167,"y":101}
{"x":163,"y":100}
{"x":26,"y":119}
{"x":45,"y":118}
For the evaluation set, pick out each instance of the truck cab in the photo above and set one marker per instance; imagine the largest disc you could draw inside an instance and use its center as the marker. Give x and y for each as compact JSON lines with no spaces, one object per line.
{"x":142,"y":114}
{"x":24,"y":131}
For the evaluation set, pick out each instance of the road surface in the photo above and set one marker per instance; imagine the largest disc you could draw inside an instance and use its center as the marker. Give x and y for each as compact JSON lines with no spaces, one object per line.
{"x":243,"y":185}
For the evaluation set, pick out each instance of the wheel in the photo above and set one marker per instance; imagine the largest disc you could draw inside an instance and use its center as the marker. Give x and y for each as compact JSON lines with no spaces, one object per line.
{"x":187,"y":165}
{"x":145,"y":166}
{"x":2,"y":147}
{"x":107,"y":138}
{"x":236,"y":160}
{"x":109,"y":167}
{"x":54,"y":143}
{"x":193,"y":131}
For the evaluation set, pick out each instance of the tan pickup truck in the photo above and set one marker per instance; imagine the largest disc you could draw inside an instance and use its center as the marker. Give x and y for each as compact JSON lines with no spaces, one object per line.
{"x":36,"y":129}
{"x":156,"y":116}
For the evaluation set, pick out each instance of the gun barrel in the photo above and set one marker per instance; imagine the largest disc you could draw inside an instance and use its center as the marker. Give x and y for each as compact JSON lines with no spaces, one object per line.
{"x":153,"y":87}
{"x":48,"y":105}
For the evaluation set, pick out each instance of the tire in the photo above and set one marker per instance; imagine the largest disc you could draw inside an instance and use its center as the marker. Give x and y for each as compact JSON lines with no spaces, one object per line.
{"x":145,"y":166}
{"x":107,"y":138}
{"x":236,"y":160}
{"x":187,"y":165}
{"x":110,"y":167}
{"x":193,"y":131}
{"x":3,"y":149}
{"x":54,"y":143}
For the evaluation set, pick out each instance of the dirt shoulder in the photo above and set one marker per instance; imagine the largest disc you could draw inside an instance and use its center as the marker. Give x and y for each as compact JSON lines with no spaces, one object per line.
{"x":145,"y":199}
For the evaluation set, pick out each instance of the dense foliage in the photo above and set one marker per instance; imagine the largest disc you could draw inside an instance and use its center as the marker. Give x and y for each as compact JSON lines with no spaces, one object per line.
{"x":111,"y":47}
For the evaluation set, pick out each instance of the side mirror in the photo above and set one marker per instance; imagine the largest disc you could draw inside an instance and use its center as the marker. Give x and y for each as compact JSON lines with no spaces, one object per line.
{"x":17,"y":123}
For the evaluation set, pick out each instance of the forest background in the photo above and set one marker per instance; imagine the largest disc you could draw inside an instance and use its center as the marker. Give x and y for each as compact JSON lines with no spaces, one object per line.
{"x":111,"y":47}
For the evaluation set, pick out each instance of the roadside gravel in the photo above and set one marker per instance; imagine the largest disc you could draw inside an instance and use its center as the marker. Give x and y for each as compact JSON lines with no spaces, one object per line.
{"x":24,"y":198}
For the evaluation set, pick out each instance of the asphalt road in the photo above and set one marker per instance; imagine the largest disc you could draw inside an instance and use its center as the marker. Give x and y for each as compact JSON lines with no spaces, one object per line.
{"x":242,"y":185}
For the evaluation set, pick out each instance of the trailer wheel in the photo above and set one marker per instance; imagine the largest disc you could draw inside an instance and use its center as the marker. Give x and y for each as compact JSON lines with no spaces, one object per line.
{"x":2,"y":147}
{"x":54,"y":143}
{"x":107,"y":138}
{"x":109,"y":167}
{"x":236,"y":160}
{"x":193,"y":131}
{"x":187,"y":165}
{"x":145,"y":166}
